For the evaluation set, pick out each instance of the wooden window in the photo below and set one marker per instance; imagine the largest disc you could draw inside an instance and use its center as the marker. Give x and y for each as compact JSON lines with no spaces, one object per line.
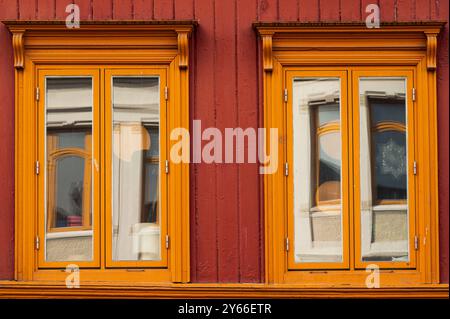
{"x":350,"y":104}
{"x":93,"y":122}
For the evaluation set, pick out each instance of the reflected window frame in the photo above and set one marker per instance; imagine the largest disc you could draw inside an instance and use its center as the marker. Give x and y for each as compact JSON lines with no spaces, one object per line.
{"x":54,"y":154}
{"x":384,"y":126}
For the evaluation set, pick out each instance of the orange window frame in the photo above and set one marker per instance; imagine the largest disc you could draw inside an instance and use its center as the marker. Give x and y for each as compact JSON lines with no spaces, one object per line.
{"x":402,"y":48}
{"x":50,"y":49}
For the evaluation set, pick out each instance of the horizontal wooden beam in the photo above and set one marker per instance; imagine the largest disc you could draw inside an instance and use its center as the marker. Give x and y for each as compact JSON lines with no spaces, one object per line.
{"x":111,"y":291}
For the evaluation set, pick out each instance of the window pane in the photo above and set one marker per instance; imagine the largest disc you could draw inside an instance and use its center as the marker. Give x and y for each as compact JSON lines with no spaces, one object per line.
{"x":136,"y":193}
{"x":69,"y":169}
{"x":317,"y":170}
{"x":383,"y":161}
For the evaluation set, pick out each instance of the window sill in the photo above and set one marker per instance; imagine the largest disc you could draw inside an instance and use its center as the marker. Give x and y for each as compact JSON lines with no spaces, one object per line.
{"x":14,"y":289}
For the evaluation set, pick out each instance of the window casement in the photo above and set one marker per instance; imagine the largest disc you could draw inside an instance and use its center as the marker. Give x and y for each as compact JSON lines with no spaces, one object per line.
{"x":95,"y":186}
{"x":356,"y":112}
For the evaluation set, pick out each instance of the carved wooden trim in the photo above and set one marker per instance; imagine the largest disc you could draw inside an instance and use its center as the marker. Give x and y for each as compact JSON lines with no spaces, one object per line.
{"x":183,"y":48}
{"x":18,"y":48}
{"x":267,"y":52}
{"x":431,"y":50}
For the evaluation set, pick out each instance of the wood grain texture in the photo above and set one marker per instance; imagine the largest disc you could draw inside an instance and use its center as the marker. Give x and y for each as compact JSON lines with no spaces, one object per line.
{"x":226,"y":117}
{"x":85,"y":9}
{"x":204,"y":233}
{"x":27,"y":9}
{"x":123,"y":9}
{"x":164,"y":9}
{"x":6,"y":156}
{"x":102,"y":9}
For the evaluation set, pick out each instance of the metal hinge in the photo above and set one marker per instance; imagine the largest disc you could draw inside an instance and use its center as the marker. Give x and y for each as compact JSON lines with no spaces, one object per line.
{"x":285,"y":95}
{"x":167,"y":167}
{"x":166,"y":93}
{"x":416,"y":242}
{"x":414,"y":94}
{"x":286,"y":169}
{"x":37,"y":167}
{"x":167,"y":241}
{"x":38,"y":95}
{"x":415,"y":168}
{"x":37,"y":243}
{"x":287,"y":244}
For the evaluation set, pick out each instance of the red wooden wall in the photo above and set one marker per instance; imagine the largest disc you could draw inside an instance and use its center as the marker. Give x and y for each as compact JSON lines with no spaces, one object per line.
{"x":226,"y":211}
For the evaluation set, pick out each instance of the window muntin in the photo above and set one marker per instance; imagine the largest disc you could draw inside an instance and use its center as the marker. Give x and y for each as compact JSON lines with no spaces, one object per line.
{"x":69,"y":105}
{"x":136,"y":118}
{"x":384,"y":169}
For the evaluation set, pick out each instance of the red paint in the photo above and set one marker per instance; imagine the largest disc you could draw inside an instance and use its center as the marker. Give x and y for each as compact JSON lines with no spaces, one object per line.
{"x":45,"y":10}
{"x":227,"y":231}
{"x":85,"y":9}
{"x":203,"y":188}
{"x":288,"y":10}
{"x":387,"y":10}
{"x":422,"y":9}
{"x":102,"y":9}
{"x":184,"y":9}
{"x":329,"y":11}
{"x":443,"y":142}
{"x":143,"y":9}
{"x":27,"y":9}
{"x":6,"y":155}
{"x":123,"y":9}
{"x":268,"y":10}
{"x":60,"y":9}
{"x":164,"y":9}
{"x":250,"y":212}
{"x":364,"y":4}
{"x":226,"y":116}
{"x":309,"y":10}
{"x":351,"y":11}
{"x":405,"y":9}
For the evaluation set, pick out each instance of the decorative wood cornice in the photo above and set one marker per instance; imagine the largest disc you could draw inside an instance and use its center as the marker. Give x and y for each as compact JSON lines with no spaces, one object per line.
{"x":51,"y":35}
{"x":431,"y":50}
{"x":183,"y":48}
{"x":417,"y":36}
{"x":18,"y":48}
{"x":267,"y":51}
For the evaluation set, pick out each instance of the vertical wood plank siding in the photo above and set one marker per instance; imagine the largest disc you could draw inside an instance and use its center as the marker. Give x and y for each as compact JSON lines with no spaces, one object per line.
{"x":227,"y":243}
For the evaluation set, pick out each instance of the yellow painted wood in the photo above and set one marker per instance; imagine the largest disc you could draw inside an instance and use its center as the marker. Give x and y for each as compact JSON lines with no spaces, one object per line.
{"x":394,"y":49}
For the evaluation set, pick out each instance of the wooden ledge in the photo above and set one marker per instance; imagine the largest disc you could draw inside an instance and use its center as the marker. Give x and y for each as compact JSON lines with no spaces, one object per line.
{"x":113,"y":291}
{"x":53,"y":35}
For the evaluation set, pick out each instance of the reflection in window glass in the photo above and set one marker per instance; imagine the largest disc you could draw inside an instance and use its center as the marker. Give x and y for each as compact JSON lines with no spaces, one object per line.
{"x":69,"y":169}
{"x":136,"y":193}
{"x":317,"y":170}
{"x":383,"y":161}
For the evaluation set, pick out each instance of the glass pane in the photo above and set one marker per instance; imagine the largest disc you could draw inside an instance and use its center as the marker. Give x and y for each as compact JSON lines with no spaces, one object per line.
{"x":69,"y":169}
{"x":136,"y":194}
{"x":390,"y":165}
{"x":384,"y":162}
{"x":317,"y":170}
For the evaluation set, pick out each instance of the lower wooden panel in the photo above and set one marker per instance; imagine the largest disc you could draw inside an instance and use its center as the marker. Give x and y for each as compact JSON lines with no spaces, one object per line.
{"x":109,"y":291}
